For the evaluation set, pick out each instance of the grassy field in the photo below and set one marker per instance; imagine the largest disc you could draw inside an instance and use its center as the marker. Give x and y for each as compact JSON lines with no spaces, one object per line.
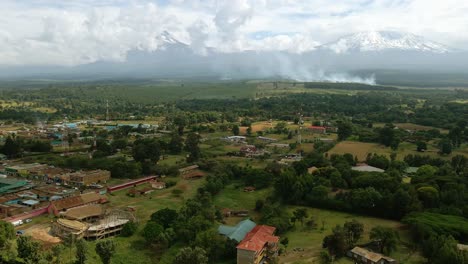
{"x":145,"y":205}
{"x":361,"y":149}
{"x":310,"y":241}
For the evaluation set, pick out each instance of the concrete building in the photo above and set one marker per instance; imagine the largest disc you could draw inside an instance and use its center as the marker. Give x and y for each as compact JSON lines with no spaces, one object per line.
{"x":259,"y":246}
{"x":85,"y":178}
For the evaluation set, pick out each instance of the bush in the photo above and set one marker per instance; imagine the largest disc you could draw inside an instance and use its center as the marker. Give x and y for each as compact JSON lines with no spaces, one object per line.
{"x":129,"y":229}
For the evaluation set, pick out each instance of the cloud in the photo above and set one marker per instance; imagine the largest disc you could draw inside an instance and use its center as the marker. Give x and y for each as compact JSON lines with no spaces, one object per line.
{"x":48,"y":32}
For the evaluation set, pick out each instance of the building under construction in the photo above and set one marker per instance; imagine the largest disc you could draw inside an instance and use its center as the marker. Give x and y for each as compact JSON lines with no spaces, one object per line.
{"x":91,"y":222}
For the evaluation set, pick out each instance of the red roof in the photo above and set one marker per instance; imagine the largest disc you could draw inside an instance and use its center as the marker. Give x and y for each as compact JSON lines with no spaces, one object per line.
{"x":256,"y":239}
{"x":318,"y":127}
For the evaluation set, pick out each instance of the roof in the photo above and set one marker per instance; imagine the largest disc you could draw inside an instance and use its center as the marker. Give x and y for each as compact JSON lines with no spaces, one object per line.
{"x":237,"y":232}
{"x":375,"y":257}
{"x":73,"y":224}
{"x":256,"y":239}
{"x":75,"y":201}
{"x":462,"y":247}
{"x":367,"y":168}
{"x":318,"y":127}
{"x":30,"y":202}
{"x":412,"y":169}
{"x":78,"y":213}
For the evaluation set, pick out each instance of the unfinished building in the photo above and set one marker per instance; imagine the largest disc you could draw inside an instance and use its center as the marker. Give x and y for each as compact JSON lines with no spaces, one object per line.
{"x":91,"y":222}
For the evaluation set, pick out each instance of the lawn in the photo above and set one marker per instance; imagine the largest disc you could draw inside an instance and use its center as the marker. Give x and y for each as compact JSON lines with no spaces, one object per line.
{"x":145,"y":205}
{"x":310,"y":241}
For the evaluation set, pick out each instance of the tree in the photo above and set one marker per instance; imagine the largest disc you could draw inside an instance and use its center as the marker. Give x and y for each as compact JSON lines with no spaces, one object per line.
{"x":176,"y":144}
{"x":152,"y":231}
{"x":129,"y":229}
{"x":165,"y":217}
{"x":105,"y":249}
{"x":345,"y":130}
{"x":445,"y":147}
{"x":353,"y":230}
{"x":300,"y":214}
{"x":235,"y":130}
{"x":336,"y":242}
{"x":28,"y":249}
{"x":386,"y":237}
{"x":421,"y":146}
{"x":212,"y":243}
{"x":7,"y":232}
{"x":325,"y":258}
{"x":191,"y":145}
{"x":81,"y":250}
{"x":12,"y":147}
{"x":191,"y":255}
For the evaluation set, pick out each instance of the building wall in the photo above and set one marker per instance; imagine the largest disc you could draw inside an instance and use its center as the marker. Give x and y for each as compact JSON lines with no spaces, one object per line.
{"x":245,"y":256}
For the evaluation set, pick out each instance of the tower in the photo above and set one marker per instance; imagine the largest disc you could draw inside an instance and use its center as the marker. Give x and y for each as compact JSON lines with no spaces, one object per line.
{"x":299,"y":136}
{"x":107,"y":110}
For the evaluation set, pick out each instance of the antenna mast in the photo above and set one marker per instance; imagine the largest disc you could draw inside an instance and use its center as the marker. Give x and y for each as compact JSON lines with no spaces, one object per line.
{"x":107,"y":110}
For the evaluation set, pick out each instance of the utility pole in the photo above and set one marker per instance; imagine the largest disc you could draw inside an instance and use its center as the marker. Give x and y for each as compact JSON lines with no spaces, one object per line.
{"x":107,"y":110}
{"x":299,"y":136}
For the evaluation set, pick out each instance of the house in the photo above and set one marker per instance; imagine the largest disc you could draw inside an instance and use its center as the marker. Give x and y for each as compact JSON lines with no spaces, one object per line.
{"x":248,"y":149}
{"x":267,"y":139}
{"x":318,"y":129}
{"x":278,"y":145}
{"x":260,"y":245}
{"x":364,"y":256}
{"x":237,"y":139}
{"x":194,"y":175}
{"x":249,"y":189}
{"x":366,"y":168}
{"x":312,"y":169}
{"x":188,"y":169}
{"x":237,"y":232}
{"x":158,"y":185}
{"x":226,"y":212}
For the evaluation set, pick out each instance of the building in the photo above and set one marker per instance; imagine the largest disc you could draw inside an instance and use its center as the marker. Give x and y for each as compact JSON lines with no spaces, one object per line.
{"x":267,"y":139}
{"x":364,"y":256}
{"x":188,"y":169}
{"x":318,"y":129}
{"x":11,"y":185}
{"x":237,"y":139}
{"x":85,"y":178}
{"x":366,"y":168}
{"x":159,"y":185}
{"x":311,"y":170}
{"x":259,"y":246}
{"x":194,"y":175}
{"x":75,"y":201}
{"x":23,"y":169}
{"x":237,"y":232}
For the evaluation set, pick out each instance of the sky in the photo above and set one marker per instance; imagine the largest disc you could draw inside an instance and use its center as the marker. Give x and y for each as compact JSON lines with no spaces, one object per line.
{"x":47,"y":32}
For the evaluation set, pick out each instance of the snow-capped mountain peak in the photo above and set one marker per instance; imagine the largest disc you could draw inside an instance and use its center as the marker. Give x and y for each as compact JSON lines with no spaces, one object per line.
{"x":384,"y":40}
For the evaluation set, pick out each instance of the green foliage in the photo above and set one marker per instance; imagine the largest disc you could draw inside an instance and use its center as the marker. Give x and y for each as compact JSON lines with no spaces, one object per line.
{"x":387,"y":238}
{"x":165,"y":217}
{"x":345,"y":130}
{"x":191,"y":145}
{"x":191,"y":255}
{"x":129,"y":229}
{"x":81,"y":251}
{"x":105,"y":249}
{"x":7,"y":232}
{"x":152,"y":232}
{"x":427,"y":223}
{"x":28,"y":249}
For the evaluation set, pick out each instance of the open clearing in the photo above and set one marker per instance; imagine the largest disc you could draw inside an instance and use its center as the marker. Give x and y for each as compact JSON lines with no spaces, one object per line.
{"x":310,"y":240}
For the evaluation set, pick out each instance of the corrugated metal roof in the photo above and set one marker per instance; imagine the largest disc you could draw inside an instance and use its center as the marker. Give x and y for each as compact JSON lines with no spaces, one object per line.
{"x":237,"y":232}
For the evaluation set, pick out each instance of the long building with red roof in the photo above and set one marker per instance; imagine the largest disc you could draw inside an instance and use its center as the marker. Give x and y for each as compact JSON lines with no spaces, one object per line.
{"x":260,"y":245}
